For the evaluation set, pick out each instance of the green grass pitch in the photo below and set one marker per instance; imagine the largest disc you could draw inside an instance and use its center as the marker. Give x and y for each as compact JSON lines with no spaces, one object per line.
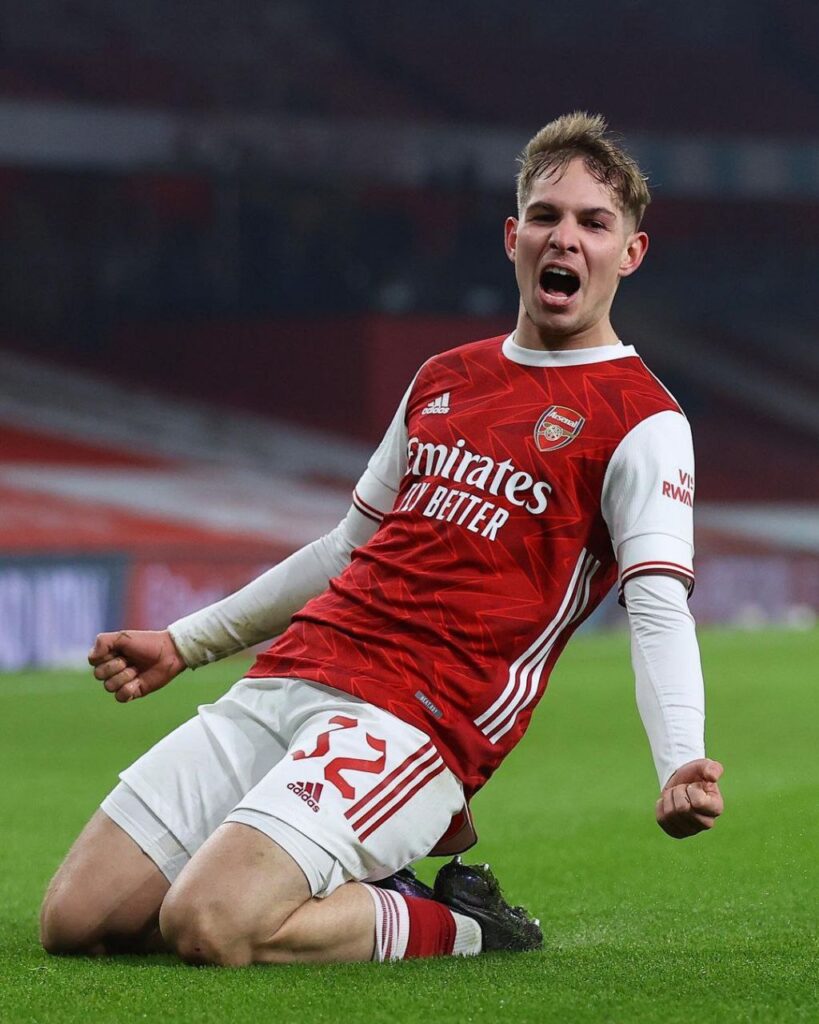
{"x":638,"y":927}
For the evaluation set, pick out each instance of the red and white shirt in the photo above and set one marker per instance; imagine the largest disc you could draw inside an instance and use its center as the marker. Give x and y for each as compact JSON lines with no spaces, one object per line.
{"x":512,"y":488}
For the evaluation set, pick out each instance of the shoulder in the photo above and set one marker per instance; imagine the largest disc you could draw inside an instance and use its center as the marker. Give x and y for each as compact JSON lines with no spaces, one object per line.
{"x":647,"y":392}
{"x":449,"y":372}
{"x":487,"y":350}
{"x":623,"y":393}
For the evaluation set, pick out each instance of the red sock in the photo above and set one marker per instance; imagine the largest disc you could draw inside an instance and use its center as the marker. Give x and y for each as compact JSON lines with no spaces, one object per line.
{"x":431,"y":928}
{"x":408,"y":926}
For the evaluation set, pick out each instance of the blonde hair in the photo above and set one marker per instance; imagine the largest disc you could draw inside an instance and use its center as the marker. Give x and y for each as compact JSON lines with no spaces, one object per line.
{"x":584,"y":135}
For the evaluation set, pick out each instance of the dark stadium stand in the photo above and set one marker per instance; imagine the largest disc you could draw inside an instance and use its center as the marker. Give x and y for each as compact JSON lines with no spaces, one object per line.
{"x":370,"y":58}
{"x":327,"y":281}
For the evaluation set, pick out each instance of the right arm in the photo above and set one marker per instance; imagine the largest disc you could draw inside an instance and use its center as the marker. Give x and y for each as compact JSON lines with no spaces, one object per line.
{"x":133,"y":663}
{"x":263,"y":608}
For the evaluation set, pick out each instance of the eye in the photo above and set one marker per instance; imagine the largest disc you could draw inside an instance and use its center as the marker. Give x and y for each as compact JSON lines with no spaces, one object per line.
{"x":597,"y":225}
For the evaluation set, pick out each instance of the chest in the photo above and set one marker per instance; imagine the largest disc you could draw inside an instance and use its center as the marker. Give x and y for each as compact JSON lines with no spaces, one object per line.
{"x":507,"y":432}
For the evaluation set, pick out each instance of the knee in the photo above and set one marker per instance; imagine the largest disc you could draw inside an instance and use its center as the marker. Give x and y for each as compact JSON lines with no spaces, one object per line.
{"x":202,"y":929}
{"x":65,"y":927}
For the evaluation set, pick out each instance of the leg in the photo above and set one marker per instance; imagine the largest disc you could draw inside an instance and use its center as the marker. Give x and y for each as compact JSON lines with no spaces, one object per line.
{"x":366,"y":794}
{"x":243,"y":899}
{"x":105,"y":897}
{"x":338,"y":929}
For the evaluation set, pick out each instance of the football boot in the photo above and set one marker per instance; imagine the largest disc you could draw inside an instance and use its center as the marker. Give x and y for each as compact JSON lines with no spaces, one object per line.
{"x":407,"y":883}
{"x":472,"y":890}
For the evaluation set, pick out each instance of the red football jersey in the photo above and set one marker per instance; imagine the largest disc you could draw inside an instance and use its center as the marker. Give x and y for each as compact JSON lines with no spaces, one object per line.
{"x":506,"y":488}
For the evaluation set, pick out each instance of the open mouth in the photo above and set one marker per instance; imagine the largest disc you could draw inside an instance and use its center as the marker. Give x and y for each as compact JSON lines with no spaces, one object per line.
{"x":558,"y":283}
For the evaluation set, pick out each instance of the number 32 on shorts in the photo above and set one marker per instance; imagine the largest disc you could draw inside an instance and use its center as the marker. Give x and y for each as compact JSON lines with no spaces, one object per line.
{"x":334,"y":768}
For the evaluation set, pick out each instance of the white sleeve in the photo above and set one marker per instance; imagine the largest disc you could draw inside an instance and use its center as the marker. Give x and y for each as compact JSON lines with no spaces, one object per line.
{"x":265,"y":606}
{"x":648,"y":498}
{"x":666,"y":660}
{"x":375,"y":493}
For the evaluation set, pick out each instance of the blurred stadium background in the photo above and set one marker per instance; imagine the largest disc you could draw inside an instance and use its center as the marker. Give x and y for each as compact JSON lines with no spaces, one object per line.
{"x":230,"y":234}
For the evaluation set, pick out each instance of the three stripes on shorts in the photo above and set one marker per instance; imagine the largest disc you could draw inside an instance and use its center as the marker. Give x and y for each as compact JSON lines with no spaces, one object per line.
{"x":390,"y":795}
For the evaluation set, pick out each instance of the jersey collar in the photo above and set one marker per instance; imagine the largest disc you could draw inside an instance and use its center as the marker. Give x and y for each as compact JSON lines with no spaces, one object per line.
{"x":571,"y":357}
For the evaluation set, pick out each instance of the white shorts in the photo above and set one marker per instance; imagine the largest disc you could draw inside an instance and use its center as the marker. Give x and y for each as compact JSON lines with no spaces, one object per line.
{"x":349,"y":790}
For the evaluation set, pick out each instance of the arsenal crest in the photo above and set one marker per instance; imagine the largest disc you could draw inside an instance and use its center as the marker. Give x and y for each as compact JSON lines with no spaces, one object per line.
{"x":557,"y":427}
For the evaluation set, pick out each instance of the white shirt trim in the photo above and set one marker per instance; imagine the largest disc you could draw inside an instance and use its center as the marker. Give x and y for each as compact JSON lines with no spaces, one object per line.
{"x":564,"y":357}
{"x":651,"y":530}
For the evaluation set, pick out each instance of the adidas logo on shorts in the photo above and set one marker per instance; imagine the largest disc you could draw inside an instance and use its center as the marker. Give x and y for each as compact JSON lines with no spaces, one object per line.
{"x":310,"y":792}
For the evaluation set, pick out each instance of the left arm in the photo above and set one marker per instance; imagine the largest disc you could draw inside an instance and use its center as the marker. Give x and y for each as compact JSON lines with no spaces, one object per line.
{"x":647,"y":502}
{"x":670,"y":696}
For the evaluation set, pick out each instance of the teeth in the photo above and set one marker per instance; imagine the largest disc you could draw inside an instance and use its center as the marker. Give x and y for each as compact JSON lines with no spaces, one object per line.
{"x":560,"y":270}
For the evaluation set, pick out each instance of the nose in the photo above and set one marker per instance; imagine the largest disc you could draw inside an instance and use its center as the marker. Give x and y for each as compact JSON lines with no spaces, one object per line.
{"x":563,"y":237}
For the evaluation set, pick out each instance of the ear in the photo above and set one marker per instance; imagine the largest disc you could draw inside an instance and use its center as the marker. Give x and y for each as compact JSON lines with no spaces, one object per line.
{"x":510,"y":237}
{"x":633,"y":254}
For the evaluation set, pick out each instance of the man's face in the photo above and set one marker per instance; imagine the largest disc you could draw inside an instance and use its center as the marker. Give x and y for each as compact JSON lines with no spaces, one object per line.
{"x":570,"y":247}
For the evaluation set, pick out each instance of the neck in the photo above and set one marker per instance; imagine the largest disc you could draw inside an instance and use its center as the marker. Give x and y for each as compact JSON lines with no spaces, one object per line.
{"x":528,"y":335}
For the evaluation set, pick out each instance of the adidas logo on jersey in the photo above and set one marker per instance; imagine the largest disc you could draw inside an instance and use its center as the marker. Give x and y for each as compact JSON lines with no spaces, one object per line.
{"x":438,"y":406}
{"x":310,"y":793}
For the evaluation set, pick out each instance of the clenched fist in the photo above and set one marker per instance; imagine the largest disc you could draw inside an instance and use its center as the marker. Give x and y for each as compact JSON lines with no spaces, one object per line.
{"x":690,"y":801}
{"x":134,"y":663}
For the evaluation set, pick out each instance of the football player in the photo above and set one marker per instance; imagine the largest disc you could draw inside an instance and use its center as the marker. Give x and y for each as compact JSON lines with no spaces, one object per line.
{"x":521,"y":478}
